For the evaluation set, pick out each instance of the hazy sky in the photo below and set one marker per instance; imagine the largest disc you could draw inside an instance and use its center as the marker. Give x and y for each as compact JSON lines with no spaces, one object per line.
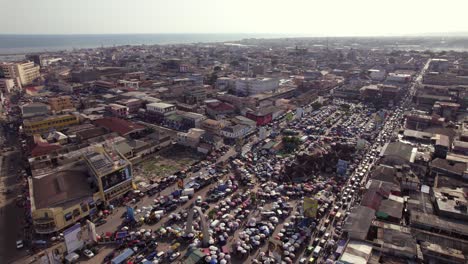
{"x":305,"y":17}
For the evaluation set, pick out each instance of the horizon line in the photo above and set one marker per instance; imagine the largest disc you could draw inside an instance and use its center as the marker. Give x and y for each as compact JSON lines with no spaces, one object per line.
{"x":291,"y":35}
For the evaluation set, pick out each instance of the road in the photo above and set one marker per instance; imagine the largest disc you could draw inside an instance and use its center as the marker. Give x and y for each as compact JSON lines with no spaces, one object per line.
{"x":11,"y":216}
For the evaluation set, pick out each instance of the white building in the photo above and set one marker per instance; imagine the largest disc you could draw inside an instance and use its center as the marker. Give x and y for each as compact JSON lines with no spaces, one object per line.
{"x":236,"y":131}
{"x":23,"y":73}
{"x":249,"y":86}
{"x":377,"y":75}
{"x":224,"y":83}
{"x":6,"y":85}
{"x":191,"y":138}
{"x":161,"y":108}
{"x":398,"y":77}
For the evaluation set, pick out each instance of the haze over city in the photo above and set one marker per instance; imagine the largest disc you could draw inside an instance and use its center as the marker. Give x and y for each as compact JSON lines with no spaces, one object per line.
{"x":292,"y":18}
{"x":233,"y":131}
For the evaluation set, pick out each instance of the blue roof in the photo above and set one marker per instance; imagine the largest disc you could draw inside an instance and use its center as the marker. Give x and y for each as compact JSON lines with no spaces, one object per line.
{"x":122,"y":257}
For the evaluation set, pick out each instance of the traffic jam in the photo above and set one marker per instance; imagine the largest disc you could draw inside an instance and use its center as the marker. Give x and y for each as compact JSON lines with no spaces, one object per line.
{"x":251,"y":208}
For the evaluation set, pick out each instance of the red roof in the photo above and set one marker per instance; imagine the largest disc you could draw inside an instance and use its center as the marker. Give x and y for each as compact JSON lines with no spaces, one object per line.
{"x":372,"y":199}
{"x":120,"y":126}
{"x":220,"y":106}
{"x":43,"y":148}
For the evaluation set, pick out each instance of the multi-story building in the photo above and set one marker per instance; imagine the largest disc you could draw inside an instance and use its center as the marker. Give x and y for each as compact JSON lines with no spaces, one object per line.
{"x":63,"y":195}
{"x":161,"y":108}
{"x":192,"y":120}
{"x":235,"y":131}
{"x":191,"y":138}
{"x":158,"y":112}
{"x":249,"y":86}
{"x":6,"y":85}
{"x":34,"y":109}
{"x":118,"y":110}
{"x":133,"y":104}
{"x":60,"y":103}
{"x":111,"y":172}
{"x":213,"y":126}
{"x":23,"y":73}
{"x":39,"y":125}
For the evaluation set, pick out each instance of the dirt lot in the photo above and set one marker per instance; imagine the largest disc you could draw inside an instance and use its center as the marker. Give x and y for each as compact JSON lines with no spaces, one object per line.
{"x":167,"y":162}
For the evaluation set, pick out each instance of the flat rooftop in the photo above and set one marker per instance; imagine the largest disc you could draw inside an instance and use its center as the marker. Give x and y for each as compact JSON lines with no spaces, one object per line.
{"x":103,"y":162}
{"x":433,"y":221}
{"x":62,"y":188}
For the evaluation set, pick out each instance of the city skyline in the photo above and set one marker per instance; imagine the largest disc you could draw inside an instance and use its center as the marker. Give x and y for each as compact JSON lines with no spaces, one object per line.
{"x":298,"y":18}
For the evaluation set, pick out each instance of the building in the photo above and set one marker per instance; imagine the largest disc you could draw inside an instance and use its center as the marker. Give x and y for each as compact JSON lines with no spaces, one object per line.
{"x":451,"y":203}
{"x":77,"y":185}
{"x":224,"y":83}
{"x":377,"y":75}
{"x":158,"y":112}
{"x":398,"y":77}
{"x":60,"y":103}
{"x":39,"y":125}
{"x":161,"y":108}
{"x":133,"y":104}
{"x":460,"y":147}
{"x":235,"y":131}
{"x":60,"y":197}
{"x":111,"y":172}
{"x":117,"y":110}
{"x":192,"y":120}
{"x":195,"y":95}
{"x":23,"y":73}
{"x":441,"y":145}
{"x":250,"y":86}
{"x":7,"y":85}
{"x":447,"y":110}
{"x":191,"y":138}
{"x":213,"y":126}
{"x":120,"y":126}
{"x":34,"y":109}
{"x":421,"y":122}
{"x":219,"y":109}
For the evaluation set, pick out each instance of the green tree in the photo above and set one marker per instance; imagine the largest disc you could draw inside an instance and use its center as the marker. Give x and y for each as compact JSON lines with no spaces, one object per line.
{"x":316,"y":105}
{"x":291,"y":143}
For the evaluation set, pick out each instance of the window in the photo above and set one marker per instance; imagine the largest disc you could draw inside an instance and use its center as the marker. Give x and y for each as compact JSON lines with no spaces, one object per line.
{"x":76,"y":212}
{"x":84,"y":207}
{"x":68,"y":216}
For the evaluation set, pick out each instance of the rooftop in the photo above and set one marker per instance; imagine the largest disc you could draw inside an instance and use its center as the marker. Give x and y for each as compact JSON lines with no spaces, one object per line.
{"x":58,"y":189}
{"x":160,"y":105}
{"x":120,"y":126}
{"x":424,"y":220}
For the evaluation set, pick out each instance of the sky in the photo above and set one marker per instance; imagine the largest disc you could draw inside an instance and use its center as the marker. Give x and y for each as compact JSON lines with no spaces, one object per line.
{"x":290,"y":17}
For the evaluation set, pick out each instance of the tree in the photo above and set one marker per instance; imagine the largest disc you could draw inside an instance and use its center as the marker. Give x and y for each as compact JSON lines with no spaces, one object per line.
{"x":391,"y":60}
{"x":217,"y":68}
{"x":316,"y":105}
{"x":291,"y":143}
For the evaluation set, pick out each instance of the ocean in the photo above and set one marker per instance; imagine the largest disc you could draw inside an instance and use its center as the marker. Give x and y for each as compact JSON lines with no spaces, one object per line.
{"x":11,"y":45}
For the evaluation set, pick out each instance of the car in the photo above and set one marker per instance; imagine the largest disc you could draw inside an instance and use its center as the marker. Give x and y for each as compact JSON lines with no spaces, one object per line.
{"x":174,"y":256}
{"x":88,"y":253}
{"x":109,"y":256}
{"x":19,"y":244}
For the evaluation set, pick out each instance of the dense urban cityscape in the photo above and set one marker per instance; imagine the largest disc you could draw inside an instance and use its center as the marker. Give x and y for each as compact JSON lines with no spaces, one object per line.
{"x":294,"y":150}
